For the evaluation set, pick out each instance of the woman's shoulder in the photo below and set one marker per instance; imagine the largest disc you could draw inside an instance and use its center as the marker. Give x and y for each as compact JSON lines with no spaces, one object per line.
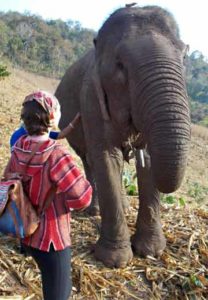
{"x":20,"y":141}
{"x":60,"y":150}
{"x":26,"y":144}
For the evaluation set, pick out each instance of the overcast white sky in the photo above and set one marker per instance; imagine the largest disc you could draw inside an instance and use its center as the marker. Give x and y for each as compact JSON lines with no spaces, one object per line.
{"x":191,"y":16}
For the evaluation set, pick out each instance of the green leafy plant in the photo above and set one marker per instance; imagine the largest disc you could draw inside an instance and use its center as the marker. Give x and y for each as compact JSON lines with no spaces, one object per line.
{"x":192,"y":283}
{"x":130,"y":184}
{"x":198,"y":192}
{"x":172,"y":199}
{"x":182,"y":201}
{"x":3,"y":72}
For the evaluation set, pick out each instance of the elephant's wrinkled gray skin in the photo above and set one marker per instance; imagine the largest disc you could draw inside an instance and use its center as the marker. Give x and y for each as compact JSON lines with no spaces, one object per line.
{"x":132,"y":82}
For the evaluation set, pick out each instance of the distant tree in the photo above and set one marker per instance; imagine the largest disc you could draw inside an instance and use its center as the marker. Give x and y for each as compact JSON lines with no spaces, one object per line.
{"x":46,"y":47}
{"x":4,"y":37}
{"x":3,"y":71}
{"x":197,"y":85}
{"x":197,"y":77}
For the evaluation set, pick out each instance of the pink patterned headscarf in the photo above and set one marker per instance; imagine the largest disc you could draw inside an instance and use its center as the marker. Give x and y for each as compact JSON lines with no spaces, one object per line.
{"x":48,"y":101}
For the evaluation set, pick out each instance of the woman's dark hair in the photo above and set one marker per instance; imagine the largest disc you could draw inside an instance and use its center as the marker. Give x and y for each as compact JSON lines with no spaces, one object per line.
{"x":35,"y":118}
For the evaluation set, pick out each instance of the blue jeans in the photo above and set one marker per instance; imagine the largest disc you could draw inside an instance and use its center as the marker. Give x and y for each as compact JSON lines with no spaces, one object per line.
{"x":55,"y":267}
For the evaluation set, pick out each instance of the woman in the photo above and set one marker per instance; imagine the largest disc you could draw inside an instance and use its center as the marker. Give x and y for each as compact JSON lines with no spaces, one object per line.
{"x":52,"y":165}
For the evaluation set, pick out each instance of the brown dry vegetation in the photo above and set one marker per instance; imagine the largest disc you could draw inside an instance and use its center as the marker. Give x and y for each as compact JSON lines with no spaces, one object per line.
{"x":181,"y":273}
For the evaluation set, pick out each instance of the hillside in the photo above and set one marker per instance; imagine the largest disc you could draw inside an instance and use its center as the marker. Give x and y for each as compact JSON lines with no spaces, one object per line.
{"x":173,"y":276}
{"x":48,"y":47}
{"x":42,"y":46}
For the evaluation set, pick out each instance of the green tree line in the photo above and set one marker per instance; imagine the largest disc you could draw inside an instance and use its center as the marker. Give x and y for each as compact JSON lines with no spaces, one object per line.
{"x":49,"y":47}
{"x":197,"y":85}
{"x":45,"y":47}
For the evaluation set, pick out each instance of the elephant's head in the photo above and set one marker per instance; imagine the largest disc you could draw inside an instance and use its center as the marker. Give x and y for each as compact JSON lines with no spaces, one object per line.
{"x":141,"y":86}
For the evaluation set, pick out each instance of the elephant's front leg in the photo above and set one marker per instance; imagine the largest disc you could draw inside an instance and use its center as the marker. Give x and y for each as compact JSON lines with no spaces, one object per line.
{"x":113,"y":247}
{"x":148,"y":238}
{"x":93,"y":209}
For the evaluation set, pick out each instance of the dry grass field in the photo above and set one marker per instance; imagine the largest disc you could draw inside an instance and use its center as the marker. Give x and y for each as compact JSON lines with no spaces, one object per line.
{"x":181,"y":272}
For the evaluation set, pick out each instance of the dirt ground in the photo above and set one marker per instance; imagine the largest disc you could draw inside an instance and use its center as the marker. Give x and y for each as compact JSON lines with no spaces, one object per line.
{"x":181,"y":273}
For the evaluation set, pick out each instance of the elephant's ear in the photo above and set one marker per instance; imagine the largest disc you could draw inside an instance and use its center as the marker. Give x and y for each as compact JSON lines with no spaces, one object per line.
{"x":101,"y":96}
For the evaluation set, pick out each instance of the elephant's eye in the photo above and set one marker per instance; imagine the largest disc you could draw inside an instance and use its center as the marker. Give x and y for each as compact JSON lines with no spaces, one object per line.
{"x":120,"y":73}
{"x":120,"y":66}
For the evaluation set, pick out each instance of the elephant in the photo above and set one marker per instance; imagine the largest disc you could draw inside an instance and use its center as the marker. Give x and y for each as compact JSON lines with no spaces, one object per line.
{"x":130,"y":89}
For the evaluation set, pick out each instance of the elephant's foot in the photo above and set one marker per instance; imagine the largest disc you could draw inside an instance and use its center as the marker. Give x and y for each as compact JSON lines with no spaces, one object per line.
{"x":149,"y":241}
{"x":116,"y":256}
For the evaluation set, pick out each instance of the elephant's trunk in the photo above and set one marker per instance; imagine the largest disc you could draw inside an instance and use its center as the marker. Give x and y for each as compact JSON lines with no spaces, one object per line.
{"x":165,"y":120}
{"x":168,"y":147}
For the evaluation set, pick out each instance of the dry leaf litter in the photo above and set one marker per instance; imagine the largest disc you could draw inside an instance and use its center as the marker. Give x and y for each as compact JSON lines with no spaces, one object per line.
{"x":180,"y":273}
